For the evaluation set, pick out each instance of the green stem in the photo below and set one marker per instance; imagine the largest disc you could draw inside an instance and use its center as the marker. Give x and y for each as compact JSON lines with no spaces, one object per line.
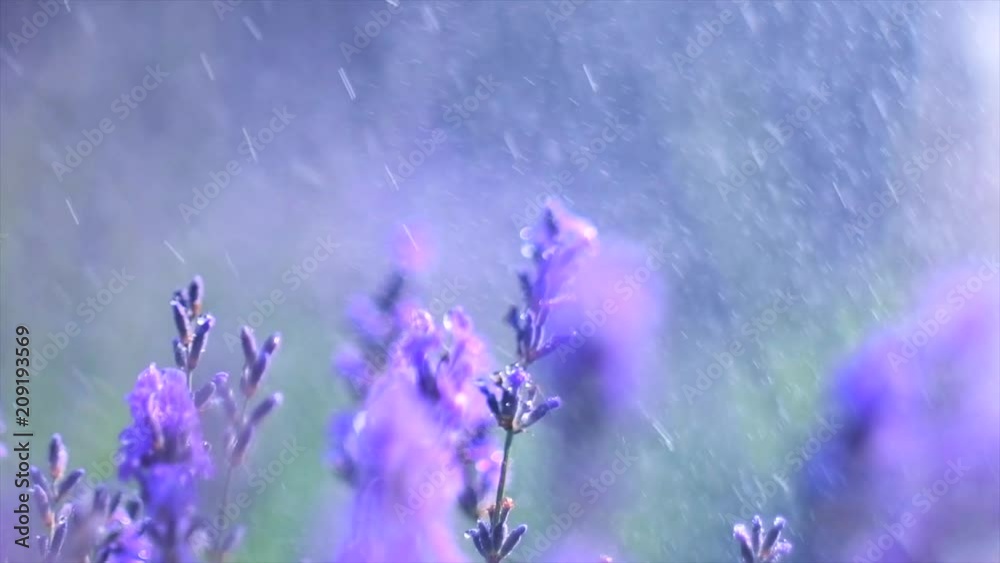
{"x":503,"y":477}
{"x":229,"y":477}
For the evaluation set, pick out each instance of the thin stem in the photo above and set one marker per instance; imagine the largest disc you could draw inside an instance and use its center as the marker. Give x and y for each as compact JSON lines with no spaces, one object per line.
{"x":229,"y":477}
{"x":503,"y":477}
{"x":188,"y":346}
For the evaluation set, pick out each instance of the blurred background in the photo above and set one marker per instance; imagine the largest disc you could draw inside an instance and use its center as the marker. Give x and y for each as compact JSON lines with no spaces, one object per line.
{"x":806,"y":169}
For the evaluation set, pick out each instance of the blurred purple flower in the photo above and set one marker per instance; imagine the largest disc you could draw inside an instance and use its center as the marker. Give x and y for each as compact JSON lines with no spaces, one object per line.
{"x":919,"y":452}
{"x":408,"y":482}
{"x":419,"y":445}
{"x":165,"y":426}
{"x":601,"y":304}
{"x":130,"y":546}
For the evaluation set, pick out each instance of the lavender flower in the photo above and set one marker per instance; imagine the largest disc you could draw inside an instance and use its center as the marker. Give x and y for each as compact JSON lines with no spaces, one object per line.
{"x":165,"y":426}
{"x":75,"y":527}
{"x":429,"y":378}
{"x":163,"y":451}
{"x":917,"y":402}
{"x":601,"y":309}
{"x":397,"y":340}
{"x":408,"y":481}
{"x":555,"y":246}
{"x":757,"y":546}
{"x":517,"y":406}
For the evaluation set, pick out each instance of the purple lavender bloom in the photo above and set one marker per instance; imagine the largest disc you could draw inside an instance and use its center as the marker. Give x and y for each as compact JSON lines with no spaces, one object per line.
{"x":604,"y":308}
{"x":918,"y":451}
{"x":165,"y":426}
{"x":408,"y":482}
{"x":168,"y":492}
{"x":555,"y":246}
{"x":130,"y":546}
{"x":164,"y":452}
{"x":420,"y":445}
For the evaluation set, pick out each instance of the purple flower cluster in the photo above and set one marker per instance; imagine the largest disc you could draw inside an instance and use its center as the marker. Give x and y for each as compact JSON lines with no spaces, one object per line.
{"x":920,"y":448}
{"x":166,"y":427}
{"x":418,"y":445}
{"x":429,"y":377}
{"x":102,"y":528}
{"x":164,"y":451}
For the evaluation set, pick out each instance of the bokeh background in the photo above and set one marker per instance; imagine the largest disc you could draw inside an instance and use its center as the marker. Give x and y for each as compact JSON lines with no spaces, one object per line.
{"x":695,"y":94}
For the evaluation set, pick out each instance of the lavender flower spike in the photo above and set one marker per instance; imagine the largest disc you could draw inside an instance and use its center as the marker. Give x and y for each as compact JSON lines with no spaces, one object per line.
{"x":165,"y":425}
{"x":759,"y":547}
